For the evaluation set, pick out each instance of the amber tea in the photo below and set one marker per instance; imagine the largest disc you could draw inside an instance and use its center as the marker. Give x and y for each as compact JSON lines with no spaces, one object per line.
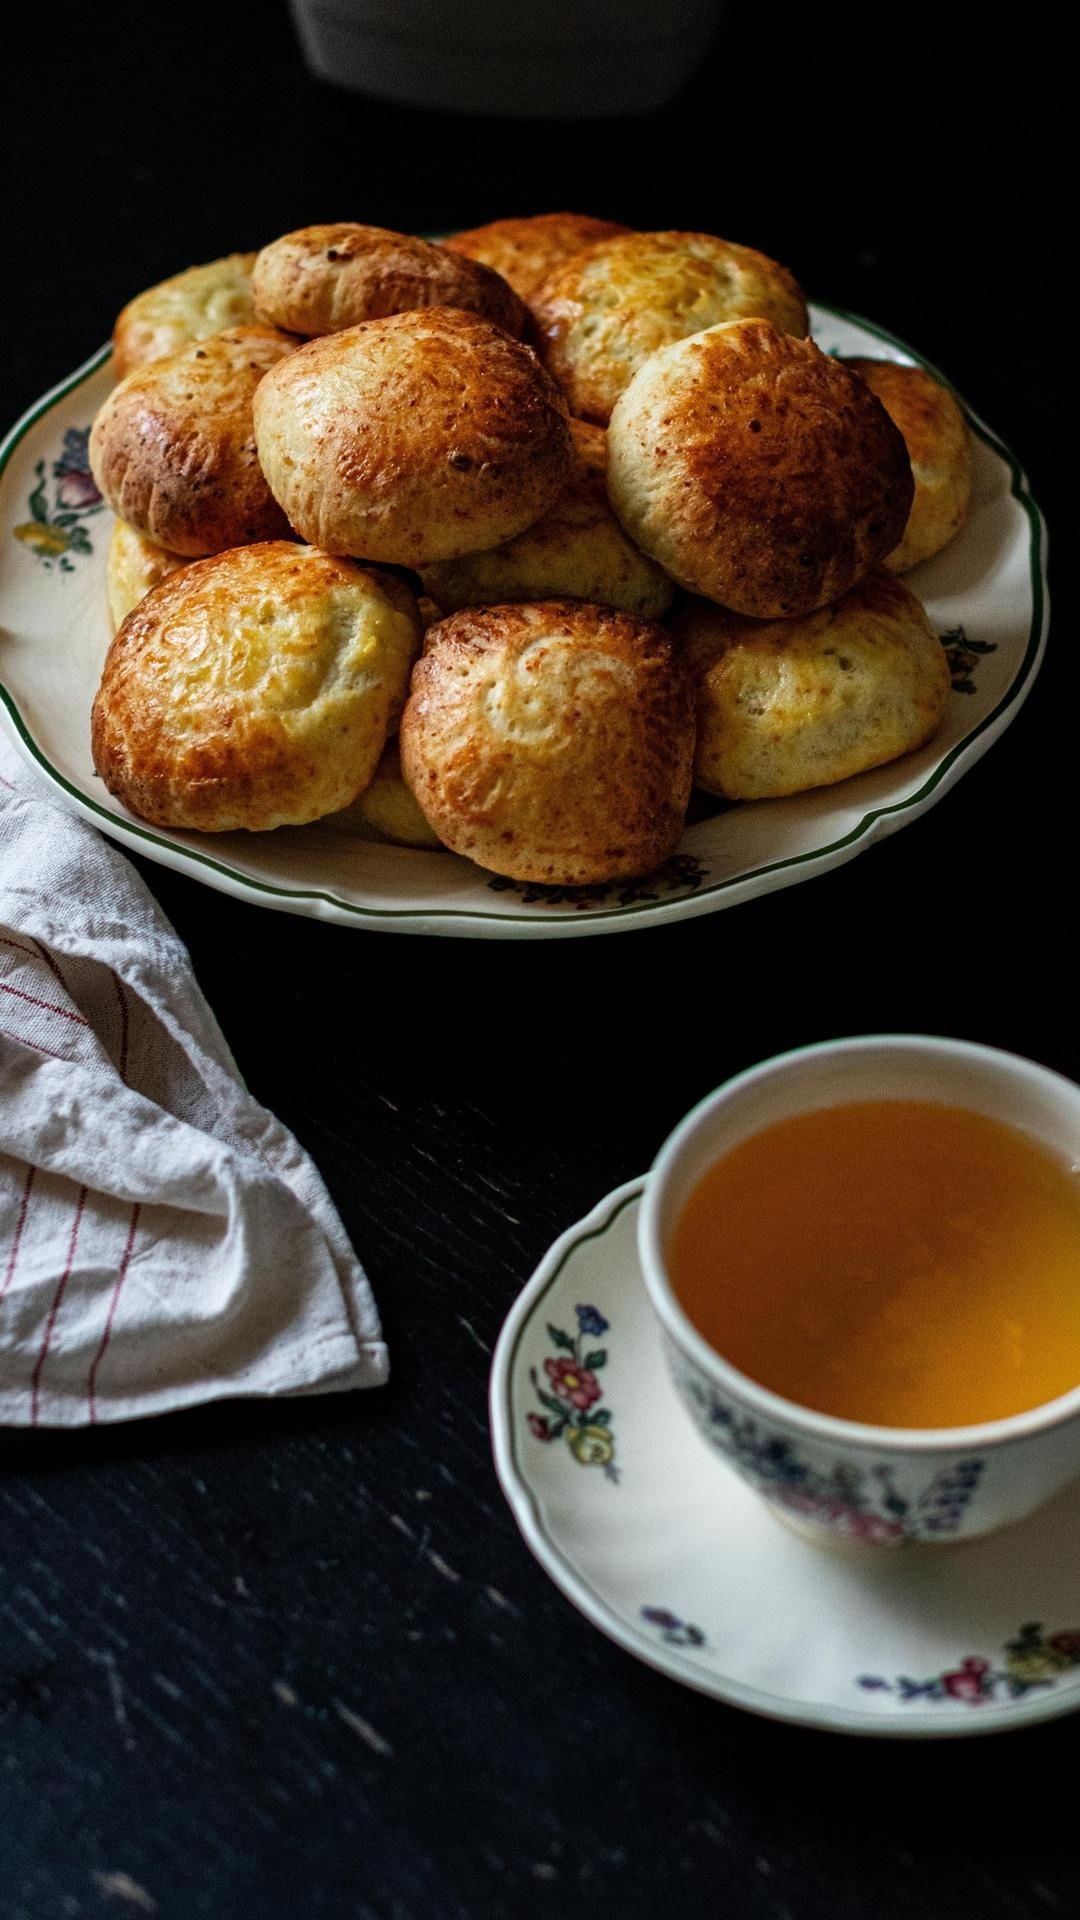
{"x":897,"y":1262}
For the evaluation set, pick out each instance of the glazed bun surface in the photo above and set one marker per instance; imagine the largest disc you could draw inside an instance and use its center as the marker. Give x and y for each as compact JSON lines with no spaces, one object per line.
{"x":604,"y":311}
{"x":173,"y":447}
{"x":524,"y":251}
{"x":321,"y":279}
{"x":134,"y":565}
{"x":576,"y":548}
{"x":255,"y":689}
{"x":551,"y":741}
{"x":939,"y":447}
{"x":413,"y":439}
{"x":785,"y":705}
{"x":757,"y":470}
{"x":189,"y":306}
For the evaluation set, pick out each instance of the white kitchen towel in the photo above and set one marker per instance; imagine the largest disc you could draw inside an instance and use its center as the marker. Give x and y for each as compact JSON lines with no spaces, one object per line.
{"x":163,"y":1239}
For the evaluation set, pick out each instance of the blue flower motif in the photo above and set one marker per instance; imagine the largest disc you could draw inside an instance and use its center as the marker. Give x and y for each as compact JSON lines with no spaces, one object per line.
{"x":590,"y":1321}
{"x":75,"y":457}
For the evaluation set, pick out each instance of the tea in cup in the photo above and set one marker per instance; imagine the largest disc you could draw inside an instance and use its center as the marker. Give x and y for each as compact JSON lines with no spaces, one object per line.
{"x":865,"y":1259}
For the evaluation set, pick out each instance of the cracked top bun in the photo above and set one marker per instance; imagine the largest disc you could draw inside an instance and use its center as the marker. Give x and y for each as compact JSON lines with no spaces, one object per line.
{"x":785,"y":705}
{"x":601,"y":313}
{"x":757,"y":470}
{"x":551,"y":741}
{"x":173,"y":447}
{"x":255,"y":689}
{"x":190,"y":306}
{"x":525,"y":250}
{"x":320,"y":279}
{"x":939,"y":447}
{"x":412,"y":439}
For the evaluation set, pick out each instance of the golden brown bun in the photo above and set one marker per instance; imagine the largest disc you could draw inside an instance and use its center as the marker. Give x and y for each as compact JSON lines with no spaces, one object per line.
{"x":133,"y":566}
{"x":525,"y":251}
{"x":577,"y":547}
{"x":387,"y":806}
{"x":413,"y":439}
{"x":784,"y":705}
{"x":604,"y":311}
{"x":757,"y":470}
{"x":190,"y":306}
{"x":321,"y":279}
{"x":939,"y":447}
{"x":253,"y":690}
{"x":173,"y":447}
{"x":551,"y":741}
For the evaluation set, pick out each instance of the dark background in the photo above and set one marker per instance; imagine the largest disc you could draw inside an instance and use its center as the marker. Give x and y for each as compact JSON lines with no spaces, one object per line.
{"x":186,"y":1606}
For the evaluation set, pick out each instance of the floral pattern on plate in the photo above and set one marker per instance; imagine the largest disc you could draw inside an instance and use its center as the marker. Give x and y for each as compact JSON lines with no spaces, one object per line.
{"x":55,"y":529}
{"x":963,"y":656}
{"x":681,"y":875}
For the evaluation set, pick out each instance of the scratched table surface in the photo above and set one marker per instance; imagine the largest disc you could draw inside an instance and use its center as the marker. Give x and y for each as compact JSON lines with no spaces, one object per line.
{"x":280,"y":1660}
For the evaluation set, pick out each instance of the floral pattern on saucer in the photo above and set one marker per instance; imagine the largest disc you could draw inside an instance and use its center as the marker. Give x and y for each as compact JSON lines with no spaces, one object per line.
{"x":573,"y":1394}
{"x":689,"y":1573}
{"x":673,"y":1631}
{"x":1033,"y":1659}
{"x":55,"y":529}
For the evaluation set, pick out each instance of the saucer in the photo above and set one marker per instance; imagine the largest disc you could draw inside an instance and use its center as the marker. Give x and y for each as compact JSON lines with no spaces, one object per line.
{"x":671,"y":1555}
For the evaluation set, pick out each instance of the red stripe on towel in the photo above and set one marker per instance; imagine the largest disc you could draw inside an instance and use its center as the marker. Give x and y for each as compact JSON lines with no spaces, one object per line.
{"x":121,"y":1276}
{"x":50,"y":1006}
{"x":35,"y":1381}
{"x":19,"y":1225}
{"x":122,"y":997}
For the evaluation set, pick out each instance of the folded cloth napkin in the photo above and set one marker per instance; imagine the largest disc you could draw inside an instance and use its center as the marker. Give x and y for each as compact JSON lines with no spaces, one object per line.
{"x":163,"y":1239}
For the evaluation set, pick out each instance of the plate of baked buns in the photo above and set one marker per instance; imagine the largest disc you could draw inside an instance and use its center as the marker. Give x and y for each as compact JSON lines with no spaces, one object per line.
{"x":552,"y":578}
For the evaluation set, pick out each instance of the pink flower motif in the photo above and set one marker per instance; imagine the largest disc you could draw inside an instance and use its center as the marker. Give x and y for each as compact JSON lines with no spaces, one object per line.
{"x":967,"y":1681}
{"x":573,"y":1383}
{"x":77,"y":490}
{"x":538,"y":1427}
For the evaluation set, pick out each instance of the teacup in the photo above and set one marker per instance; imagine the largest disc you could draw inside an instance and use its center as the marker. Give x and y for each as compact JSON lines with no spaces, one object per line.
{"x":839,"y":1480}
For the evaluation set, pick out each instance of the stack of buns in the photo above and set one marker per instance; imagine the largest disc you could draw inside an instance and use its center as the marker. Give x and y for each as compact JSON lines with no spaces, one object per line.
{"x":501,"y":545}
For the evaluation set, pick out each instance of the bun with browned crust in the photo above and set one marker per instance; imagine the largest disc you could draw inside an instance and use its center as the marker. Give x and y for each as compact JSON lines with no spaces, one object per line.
{"x":939,"y":447}
{"x":757,"y":470}
{"x":413,"y":439}
{"x":526,"y":250}
{"x":577,"y":547}
{"x":189,"y":306}
{"x":604,"y":311}
{"x":173,"y":447}
{"x":784,"y":705}
{"x":551,"y":741}
{"x":255,"y":689}
{"x":321,"y":279}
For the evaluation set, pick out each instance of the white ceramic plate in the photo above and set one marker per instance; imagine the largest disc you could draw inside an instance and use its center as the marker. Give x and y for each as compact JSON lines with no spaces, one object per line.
{"x":987,"y":591}
{"x":671,"y":1554}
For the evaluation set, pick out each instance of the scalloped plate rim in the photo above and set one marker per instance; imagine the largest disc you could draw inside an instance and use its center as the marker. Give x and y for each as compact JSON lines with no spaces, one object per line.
{"x":547,"y":923}
{"x":919,"y":1724}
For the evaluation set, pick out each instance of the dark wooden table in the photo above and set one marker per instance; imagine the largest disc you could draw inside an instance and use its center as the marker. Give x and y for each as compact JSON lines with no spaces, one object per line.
{"x":202,"y":1620}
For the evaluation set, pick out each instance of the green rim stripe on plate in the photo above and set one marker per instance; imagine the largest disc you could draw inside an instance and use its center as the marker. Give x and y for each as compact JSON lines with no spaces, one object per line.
{"x":249,"y":883}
